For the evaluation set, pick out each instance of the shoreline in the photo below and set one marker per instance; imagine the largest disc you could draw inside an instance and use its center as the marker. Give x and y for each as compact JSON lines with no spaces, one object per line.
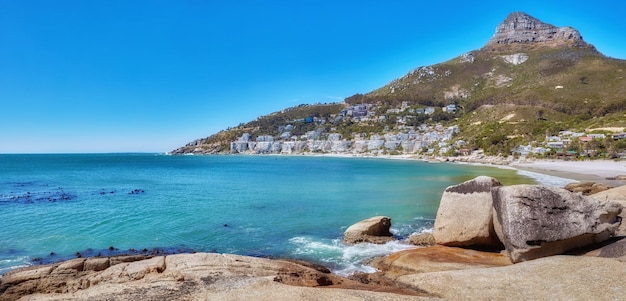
{"x":582,"y":171}
{"x":577,"y":171}
{"x":596,"y":171}
{"x":572,"y":171}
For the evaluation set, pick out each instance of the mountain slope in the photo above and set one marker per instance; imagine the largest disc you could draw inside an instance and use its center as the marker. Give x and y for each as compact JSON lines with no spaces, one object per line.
{"x":526,"y":62}
{"x":529,"y":80}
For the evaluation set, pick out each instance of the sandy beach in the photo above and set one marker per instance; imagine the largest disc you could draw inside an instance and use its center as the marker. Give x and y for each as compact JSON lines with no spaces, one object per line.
{"x":603,"y":171}
{"x":584,"y":171}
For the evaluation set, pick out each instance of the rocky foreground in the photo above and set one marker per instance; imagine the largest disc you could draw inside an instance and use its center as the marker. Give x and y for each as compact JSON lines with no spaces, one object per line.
{"x":595,"y":271}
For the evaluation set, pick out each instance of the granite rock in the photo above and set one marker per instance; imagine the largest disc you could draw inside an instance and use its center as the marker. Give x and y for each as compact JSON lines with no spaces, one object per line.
{"x":198,"y":276}
{"x":464,"y":217}
{"x":587,"y":188}
{"x":537,"y":221}
{"x":422,"y":239}
{"x":617,"y":194}
{"x":435,"y":259}
{"x":373,"y":230}
{"x":552,"y":278}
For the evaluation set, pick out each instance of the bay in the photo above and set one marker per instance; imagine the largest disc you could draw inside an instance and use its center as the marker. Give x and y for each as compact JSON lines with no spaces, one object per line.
{"x":56,"y":206}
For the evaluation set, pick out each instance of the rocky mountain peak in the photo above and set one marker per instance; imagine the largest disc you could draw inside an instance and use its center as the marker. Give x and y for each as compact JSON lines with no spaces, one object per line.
{"x":521,"y":29}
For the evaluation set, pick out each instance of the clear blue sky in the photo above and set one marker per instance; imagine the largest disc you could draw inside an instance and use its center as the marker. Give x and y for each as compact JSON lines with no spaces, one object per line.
{"x":126,"y":76}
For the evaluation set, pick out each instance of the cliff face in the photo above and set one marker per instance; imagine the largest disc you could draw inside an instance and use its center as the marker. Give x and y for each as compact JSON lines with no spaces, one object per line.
{"x":521,"y":29}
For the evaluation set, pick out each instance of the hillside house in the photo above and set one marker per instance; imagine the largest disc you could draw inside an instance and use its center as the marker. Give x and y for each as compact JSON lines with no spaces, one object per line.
{"x":619,"y":136}
{"x":265,"y":138}
{"x":449,"y":108}
{"x":244,"y":138}
{"x":357,"y":111}
{"x":556,"y":144}
{"x":553,"y":139}
{"x":596,"y":136}
{"x":523,"y":150}
{"x":285,"y":135}
{"x":334,"y":137}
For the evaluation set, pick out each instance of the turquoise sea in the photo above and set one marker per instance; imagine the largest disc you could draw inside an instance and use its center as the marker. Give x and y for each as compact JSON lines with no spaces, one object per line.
{"x":56,"y":207}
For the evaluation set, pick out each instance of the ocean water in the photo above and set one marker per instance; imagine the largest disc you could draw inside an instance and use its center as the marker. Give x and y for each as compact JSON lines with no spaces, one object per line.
{"x":56,"y":207}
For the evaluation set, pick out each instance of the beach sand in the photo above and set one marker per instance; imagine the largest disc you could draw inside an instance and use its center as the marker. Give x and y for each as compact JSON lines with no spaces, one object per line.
{"x":583,"y":171}
{"x":580,"y":171}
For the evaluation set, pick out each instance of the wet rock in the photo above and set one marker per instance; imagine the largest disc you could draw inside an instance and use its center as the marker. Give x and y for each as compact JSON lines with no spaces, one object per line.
{"x":422,"y":239}
{"x":373,"y":230}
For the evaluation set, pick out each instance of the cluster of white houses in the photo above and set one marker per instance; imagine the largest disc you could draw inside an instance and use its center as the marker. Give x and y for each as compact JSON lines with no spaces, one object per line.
{"x":368,"y":112}
{"x":560,"y":142}
{"x":408,"y":141}
{"x":402,"y":139}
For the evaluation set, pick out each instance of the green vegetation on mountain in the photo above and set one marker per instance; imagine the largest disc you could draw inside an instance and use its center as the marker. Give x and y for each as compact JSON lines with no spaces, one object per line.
{"x":516,"y":90}
{"x":266,"y":125}
{"x":574,"y":81}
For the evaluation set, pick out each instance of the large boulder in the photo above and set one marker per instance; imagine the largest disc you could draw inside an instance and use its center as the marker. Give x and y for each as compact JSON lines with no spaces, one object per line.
{"x":537,"y":221}
{"x":464,"y":217}
{"x":373,"y":230}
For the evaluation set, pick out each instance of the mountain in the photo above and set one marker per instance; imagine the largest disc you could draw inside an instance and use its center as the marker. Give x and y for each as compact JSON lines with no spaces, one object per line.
{"x":521,"y":30}
{"x":529,"y":81}
{"x":526,"y":62}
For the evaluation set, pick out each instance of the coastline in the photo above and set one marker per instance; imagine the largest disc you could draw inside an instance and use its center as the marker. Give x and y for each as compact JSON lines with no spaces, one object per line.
{"x":577,"y":171}
{"x":582,"y":171}
{"x":587,"y":170}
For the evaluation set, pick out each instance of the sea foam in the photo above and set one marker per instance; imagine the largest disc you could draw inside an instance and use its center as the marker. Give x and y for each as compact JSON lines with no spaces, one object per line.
{"x":13,"y":263}
{"x":544,"y":179}
{"x":344,"y":259}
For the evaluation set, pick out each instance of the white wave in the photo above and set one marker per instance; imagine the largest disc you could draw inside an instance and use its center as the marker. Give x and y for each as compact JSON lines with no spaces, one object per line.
{"x":544,"y":179}
{"x":419,"y":225}
{"x":344,"y":259}
{"x":14,"y":263}
{"x":540,"y":178}
{"x":308,"y":246}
